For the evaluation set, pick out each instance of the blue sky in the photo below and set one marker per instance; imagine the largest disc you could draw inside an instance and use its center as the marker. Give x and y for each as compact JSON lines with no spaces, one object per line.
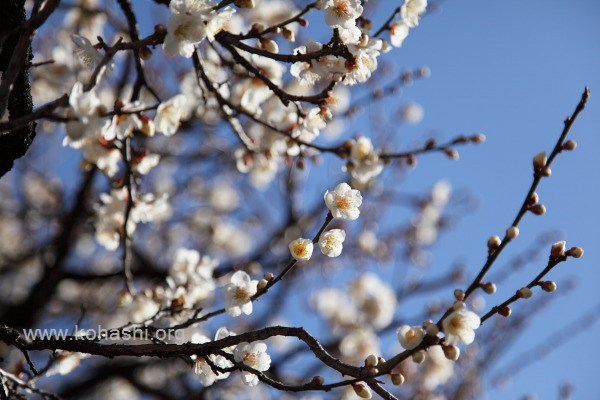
{"x":514,"y":70}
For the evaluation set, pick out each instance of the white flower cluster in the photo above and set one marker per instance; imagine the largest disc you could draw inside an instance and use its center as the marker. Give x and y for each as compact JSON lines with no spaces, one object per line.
{"x":364,"y":163}
{"x":99,"y":138}
{"x":369,"y":305}
{"x":191,"y":22}
{"x":411,"y":11}
{"x":202,"y":368}
{"x":343,"y":202}
{"x":111,"y":215}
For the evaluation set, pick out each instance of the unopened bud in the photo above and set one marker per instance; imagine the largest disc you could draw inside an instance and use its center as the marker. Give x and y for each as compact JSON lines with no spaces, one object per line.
{"x":372,"y":371}
{"x":459,"y":305}
{"x":459,"y":294}
{"x":363,"y":41}
{"x":478,"y":138}
{"x":385,"y":46}
{"x":371,"y":361}
{"x":534,"y":199}
{"x":493,"y":243}
{"x":451,"y":352}
{"x":539,"y":161}
{"x":452,"y":154}
{"x":361,"y":390}
{"x":525,"y":293}
{"x":269,"y":45}
{"x":262,"y":284}
{"x":546,"y":171}
{"x":569,"y":145}
{"x":505,"y":311}
{"x":269,"y":276}
{"x":397,"y":379}
{"x":512,"y":232}
{"x":575,"y":252}
{"x":245,"y":3}
{"x":289,"y":35}
{"x":318,"y":380}
{"x":558,"y":249}
{"x":489,"y":287}
{"x":548,"y":286}
{"x":303,"y":22}
{"x":411,"y":160}
{"x":160,"y":29}
{"x":431,"y":328}
{"x":258,"y":27}
{"x":538,"y":209}
{"x":145,"y":53}
{"x":418,"y":357}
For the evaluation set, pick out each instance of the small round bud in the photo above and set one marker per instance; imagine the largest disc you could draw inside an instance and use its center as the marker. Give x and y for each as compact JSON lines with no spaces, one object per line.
{"x":424,"y":72}
{"x":524,"y":293}
{"x":258,"y":27}
{"x":538,"y":209}
{"x":269,"y":45}
{"x":289,"y":35}
{"x":489,"y":287}
{"x":534,"y":199}
{"x":303,"y":22}
{"x":478,"y":138}
{"x":245,"y":3}
{"x":540,"y":160}
{"x":505,"y":311}
{"x":361,"y":390}
{"x":459,"y":294}
{"x":558,"y":249}
{"x":411,"y":160}
{"x":548,"y":286}
{"x":569,"y":145}
{"x":546,"y":171}
{"x":318,"y":380}
{"x":160,"y":29}
{"x":262,"y":284}
{"x":493,"y":243}
{"x":451,"y":352}
{"x":575,"y":252}
{"x":269,"y":276}
{"x":459,"y":305}
{"x":371,"y":361}
{"x":380,"y":360}
{"x":397,"y":379}
{"x":452,"y":154}
{"x":512,"y":232}
{"x":145,"y":53}
{"x":418,"y":357}
{"x":372,"y":371}
{"x":431,"y":328}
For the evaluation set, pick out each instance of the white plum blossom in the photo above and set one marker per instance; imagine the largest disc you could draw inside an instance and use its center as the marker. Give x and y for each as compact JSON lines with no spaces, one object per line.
{"x":398,"y":33}
{"x":412,"y":10}
{"x":375,"y":300}
{"x":169,"y":115}
{"x":358,"y":344}
{"x":111,"y":215}
{"x":84,"y":103}
{"x":66,"y":362}
{"x":201,"y":367}
{"x":186,"y":27}
{"x":341,"y":13}
{"x":343,"y":202}
{"x":144,"y":163}
{"x":459,"y":327}
{"x":410,"y":336}
{"x":301,"y":249}
{"x":142,"y":308}
{"x":331,"y":242}
{"x":412,"y":113}
{"x":238,"y":294}
{"x":364,"y":163}
{"x":86,"y":52}
{"x":255,"y":356}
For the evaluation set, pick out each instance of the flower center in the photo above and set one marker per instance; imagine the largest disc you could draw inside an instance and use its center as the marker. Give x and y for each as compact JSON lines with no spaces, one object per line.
{"x":300,"y":250}
{"x":241,"y":293}
{"x":343,"y":203}
{"x":250,"y":359}
{"x":342,"y":9}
